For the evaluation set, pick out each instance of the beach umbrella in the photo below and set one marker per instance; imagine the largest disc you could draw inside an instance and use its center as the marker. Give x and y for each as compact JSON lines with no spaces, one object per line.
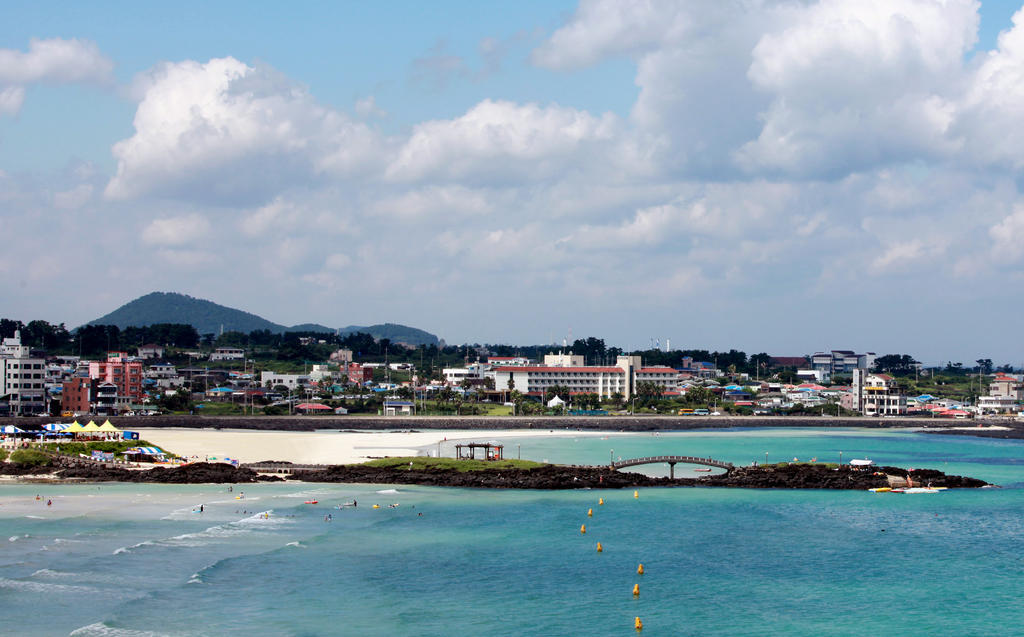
{"x":11,"y":429}
{"x":109,"y":427}
{"x":55,"y":426}
{"x":74,"y":428}
{"x":91,"y":427}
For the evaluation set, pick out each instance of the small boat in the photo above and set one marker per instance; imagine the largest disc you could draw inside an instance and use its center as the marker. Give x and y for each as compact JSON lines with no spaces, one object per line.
{"x":704,"y":469}
{"x":881,"y":490}
{"x":311,"y":502}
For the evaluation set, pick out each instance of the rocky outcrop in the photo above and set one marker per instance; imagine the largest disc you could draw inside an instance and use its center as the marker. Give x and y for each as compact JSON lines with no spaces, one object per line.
{"x":198,"y":473}
{"x":795,"y":476}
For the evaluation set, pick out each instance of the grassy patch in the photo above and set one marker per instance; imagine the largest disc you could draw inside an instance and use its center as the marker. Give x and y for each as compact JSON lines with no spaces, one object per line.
{"x":421,"y":463}
{"x":782,"y":465}
{"x":30,"y":457}
{"x":75,"y":448}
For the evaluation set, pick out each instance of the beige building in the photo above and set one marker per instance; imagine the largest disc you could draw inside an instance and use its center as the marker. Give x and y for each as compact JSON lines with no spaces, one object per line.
{"x":876,"y":395}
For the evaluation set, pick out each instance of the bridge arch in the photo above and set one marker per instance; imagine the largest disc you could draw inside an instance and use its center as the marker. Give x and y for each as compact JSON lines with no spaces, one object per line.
{"x":671,"y":462}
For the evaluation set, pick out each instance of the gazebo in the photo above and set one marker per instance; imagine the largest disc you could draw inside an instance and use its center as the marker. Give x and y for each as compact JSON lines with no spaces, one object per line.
{"x":313,"y":408}
{"x":491,"y":451}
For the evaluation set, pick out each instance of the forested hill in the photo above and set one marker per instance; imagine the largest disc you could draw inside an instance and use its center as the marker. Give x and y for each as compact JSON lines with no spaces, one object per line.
{"x":394,"y":332}
{"x":211,"y":318}
{"x":170,"y":307}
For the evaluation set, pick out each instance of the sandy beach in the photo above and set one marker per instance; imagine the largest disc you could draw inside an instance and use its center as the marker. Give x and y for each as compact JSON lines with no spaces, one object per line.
{"x":322,"y":447}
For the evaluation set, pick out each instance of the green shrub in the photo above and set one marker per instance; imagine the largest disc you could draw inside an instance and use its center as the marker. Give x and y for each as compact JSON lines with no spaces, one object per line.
{"x":30,"y":458}
{"x":3,"y":455}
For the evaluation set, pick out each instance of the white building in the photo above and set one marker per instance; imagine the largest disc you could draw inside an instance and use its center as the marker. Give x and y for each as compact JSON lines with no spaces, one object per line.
{"x":876,"y":395}
{"x":603,"y":381}
{"x":665,"y":377}
{"x":475,"y":372}
{"x":840,"y":361}
{"x":22,"y":378}
{"x":291,"y":381}
{"x":508,"y":361}
{"x":227,"y":354}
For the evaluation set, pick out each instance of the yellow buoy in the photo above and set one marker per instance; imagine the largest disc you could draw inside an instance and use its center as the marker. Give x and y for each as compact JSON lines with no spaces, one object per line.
{"x":600,"y":500}
{"x":640,"y":569}
{"x":583,"y":528}
{"x":636,"y":590}
{"x":639,"y":625}
{"x":590,"y":513}
{"x":376,"y":506}
{"x":600,"y":549}
{"x":636,"y":494}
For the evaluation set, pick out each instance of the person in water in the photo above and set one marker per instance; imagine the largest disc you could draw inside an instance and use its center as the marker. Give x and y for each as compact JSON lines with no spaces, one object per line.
{"x":200,"y":508}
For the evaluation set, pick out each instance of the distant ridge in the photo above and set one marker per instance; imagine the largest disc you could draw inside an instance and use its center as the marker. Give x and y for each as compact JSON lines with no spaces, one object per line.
{"x":209,"y":318}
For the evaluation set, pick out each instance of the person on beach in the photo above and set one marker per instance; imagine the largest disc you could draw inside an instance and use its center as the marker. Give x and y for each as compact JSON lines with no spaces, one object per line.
{"x":200,"y":508}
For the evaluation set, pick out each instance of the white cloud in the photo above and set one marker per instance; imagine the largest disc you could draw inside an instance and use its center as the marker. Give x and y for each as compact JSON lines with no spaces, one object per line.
{"x":603,"y":28}
{"x":73,"y":198}
{"x":1008,"y":237}
{"x":11,"y":99}
{"x":501,"y":140}
{"x":993,"y":106}
{"x":858,"y":84}
{"x":227,"y":132}
{"x":55,"y":61}
{"x":175,"y":231}
{"x":901,"y":255}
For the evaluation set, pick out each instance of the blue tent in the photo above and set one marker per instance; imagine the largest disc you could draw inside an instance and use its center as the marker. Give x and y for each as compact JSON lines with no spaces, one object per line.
{"x":145,"y":451}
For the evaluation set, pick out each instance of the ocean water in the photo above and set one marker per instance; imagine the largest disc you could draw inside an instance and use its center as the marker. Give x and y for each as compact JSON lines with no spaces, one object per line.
{"x":117,"y":559}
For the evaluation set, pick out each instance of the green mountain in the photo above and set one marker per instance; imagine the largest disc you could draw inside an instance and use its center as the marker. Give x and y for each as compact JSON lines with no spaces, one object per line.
{"x":395,"y":333}
{"x":170,"y":307}
{"x":209,"y":318}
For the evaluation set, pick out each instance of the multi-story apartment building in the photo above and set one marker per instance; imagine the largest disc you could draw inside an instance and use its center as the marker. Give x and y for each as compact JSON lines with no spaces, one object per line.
{"x":604,"y":381}
{"x":78,"y":395}
{"x":22,"y":377}
{"x":840,"y":361}
{"x":876,"y":395}
{"x":665,"y":377}
{"x":120,"y":371}
{"x":291,"y":381}
{"x":227,"y":354}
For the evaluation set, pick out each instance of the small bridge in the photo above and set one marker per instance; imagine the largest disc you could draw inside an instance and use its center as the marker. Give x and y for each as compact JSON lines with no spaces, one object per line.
{"x":282,"y":467}
{"x":671,"y":461}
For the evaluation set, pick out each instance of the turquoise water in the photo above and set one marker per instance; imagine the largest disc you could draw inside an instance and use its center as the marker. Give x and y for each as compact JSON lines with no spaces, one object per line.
{"x":135,"y":560}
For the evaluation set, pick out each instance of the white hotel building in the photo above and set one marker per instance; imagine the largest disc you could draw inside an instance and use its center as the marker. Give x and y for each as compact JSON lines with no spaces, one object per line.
{"x":603,"y":381}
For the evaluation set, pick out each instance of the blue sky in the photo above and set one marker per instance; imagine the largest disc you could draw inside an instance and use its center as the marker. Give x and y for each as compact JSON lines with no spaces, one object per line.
{"x":776,"y":176}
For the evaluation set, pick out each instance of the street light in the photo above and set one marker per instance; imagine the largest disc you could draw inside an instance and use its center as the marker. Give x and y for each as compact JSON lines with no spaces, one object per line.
{"x":611,"y":454}
{"x":766,"y":457}
{"x":840,"y":458}
{"x":519,"y":452}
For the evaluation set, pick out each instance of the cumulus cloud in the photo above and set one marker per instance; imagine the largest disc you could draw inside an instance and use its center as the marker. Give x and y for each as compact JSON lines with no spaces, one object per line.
{"x":1008,"y":237}
{"x":499,"y":140}
{"x":56,"y":61}
{"x":230,"y":133}
{"x":855,"y":84}
{"x":175,"y":231}
{"x":994,"y":103}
